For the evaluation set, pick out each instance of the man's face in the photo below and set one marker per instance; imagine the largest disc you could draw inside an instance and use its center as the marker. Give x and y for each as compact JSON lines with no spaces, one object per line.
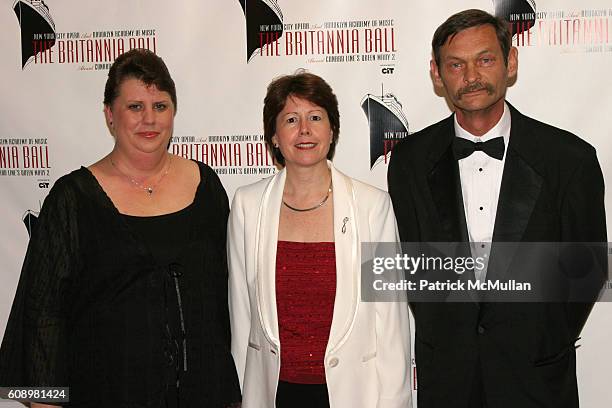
{"x":472,"y":69}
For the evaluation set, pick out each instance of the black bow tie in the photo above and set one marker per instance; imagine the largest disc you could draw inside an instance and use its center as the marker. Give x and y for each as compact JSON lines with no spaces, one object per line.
{"x":462,"y":148}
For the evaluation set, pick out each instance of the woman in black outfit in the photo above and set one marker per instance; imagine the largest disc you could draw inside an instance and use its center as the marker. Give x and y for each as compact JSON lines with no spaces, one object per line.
{"x":123,"y":291}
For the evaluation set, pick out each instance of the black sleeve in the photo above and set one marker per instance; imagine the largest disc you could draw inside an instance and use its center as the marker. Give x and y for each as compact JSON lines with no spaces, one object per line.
{"x":583,"y":220}
{"x":403,"y":205}
{"x":217,"y":190}
{"x":35,"y":351}
{"x":222,"y":362}
{"x":221,"y":207}
{"x":583,"y":216}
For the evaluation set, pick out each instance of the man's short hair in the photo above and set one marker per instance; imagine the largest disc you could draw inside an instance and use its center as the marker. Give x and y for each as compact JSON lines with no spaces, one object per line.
{"x":468,"y":19}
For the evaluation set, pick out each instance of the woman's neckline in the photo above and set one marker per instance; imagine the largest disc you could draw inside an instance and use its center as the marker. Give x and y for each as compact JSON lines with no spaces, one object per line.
{"x":305,"y":243}
{"x":160,"y":216}
{"x":110,"y":202}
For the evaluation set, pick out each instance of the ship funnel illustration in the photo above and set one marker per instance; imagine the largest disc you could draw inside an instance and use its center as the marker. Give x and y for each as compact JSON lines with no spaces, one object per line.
{"x":30,"y":219}
{"x":34,"y":19}
{"x":504,"y":8}
{"x":260,"y":13}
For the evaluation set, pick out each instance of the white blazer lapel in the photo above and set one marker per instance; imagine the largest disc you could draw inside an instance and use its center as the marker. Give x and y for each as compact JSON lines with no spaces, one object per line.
{"x":267,"y":238}
{"x":346,"y":237}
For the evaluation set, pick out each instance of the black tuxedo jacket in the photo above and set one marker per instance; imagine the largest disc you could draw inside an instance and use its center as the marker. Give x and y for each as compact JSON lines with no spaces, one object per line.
{"x":499,"y":354}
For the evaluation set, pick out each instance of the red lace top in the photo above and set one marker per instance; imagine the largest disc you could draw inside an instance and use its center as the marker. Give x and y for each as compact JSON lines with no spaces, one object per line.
{"x":305,"y":294}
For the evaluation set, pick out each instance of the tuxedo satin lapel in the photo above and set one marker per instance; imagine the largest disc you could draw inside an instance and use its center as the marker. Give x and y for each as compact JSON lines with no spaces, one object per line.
{"x":445,"y":185}
{"x":267,"y":230}
{"x":519,"y":192}
{"x":348,"y":250}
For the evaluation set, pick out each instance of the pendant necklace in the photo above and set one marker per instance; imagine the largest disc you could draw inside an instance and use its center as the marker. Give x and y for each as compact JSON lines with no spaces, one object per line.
{"x":329,"y":190}
{"x":148,"y":189}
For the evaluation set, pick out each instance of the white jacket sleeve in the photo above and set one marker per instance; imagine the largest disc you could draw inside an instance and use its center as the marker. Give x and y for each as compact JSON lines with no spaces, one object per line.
{"x":393,"y":362}
{"x":239,"y":305}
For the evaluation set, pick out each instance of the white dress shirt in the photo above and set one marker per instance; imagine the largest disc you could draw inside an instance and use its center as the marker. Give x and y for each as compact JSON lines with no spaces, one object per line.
{"x":481,"y":177}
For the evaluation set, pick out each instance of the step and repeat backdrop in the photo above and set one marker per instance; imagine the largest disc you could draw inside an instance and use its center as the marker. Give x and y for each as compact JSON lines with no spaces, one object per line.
{"x":222,"y":55}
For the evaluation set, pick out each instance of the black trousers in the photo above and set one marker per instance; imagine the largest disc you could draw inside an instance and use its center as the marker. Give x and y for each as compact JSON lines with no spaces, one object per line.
{"x":292,"y":395}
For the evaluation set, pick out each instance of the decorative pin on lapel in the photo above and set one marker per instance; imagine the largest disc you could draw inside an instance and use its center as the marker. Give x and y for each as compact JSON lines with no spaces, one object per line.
{"x":344,"y":221}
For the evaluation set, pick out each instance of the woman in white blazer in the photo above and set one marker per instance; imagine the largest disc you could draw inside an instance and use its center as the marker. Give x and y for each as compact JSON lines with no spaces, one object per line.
{"x":336,"y":350}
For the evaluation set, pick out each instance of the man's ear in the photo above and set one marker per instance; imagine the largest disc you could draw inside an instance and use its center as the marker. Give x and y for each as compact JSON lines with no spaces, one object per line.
{"x":434,"y":70}
{"x":512,"y":62}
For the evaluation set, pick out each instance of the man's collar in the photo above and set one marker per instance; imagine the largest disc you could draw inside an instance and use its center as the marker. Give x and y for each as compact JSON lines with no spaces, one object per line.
{"x":502,"y":128}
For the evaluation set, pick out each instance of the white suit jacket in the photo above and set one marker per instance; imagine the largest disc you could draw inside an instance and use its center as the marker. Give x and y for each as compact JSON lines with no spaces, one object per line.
{"x":367,"y":359}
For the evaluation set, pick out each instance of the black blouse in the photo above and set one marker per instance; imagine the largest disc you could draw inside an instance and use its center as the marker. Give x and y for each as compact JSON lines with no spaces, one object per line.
{"x":92,"y":309}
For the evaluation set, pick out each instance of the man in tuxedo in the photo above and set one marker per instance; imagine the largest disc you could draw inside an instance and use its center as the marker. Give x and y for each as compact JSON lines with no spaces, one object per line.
{"x":488,"y":174}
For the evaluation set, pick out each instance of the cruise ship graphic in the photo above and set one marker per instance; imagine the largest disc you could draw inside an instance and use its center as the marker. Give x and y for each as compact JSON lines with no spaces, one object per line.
{"x":34,"y":18}
{"x":388,"y":124}
{"x":260,"y":13}
{"x":504,"y":8}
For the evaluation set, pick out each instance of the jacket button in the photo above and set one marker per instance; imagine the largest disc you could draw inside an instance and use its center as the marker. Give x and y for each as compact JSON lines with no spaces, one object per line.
{"x":481,"y":330}
{"x":333,"y":362}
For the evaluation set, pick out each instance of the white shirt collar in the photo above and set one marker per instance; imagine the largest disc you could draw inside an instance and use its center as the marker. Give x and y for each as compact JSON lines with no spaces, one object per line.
{"x":502,"y":128}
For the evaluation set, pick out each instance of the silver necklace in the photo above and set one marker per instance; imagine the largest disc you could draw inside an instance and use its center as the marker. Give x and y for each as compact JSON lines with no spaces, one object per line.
{"x":329,"y":190}
{"x":150,"y":189}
